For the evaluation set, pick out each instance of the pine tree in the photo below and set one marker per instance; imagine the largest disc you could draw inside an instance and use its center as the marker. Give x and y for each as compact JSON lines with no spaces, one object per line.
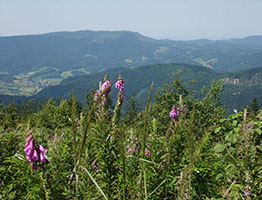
{"x":254,"y":106}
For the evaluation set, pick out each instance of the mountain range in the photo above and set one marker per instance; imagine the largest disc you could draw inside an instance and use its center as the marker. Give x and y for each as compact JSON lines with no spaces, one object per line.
{"x":239,"y":87}
{"x":50,"y":65}
{"x":31,"y":63}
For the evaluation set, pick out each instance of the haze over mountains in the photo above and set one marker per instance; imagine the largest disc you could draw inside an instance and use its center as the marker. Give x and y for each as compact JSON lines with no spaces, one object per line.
{"x":30,"y":63}
{"x":97,"y":50}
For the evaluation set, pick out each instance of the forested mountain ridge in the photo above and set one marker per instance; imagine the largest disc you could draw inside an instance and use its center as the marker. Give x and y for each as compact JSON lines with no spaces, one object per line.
{"x":30,"y":63}
{"x":138,"y":80}
{"x":236,"y":93}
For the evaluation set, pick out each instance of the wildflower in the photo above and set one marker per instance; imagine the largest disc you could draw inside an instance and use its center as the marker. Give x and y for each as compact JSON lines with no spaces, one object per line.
{"x":105,"y":89}
{"x":42,"y":154}
{"x":29,"y":149}
{"x":95,"y":166}
{"x":120,"y":84}
{"x":132,"y":148}
{"x":35,"y":156}
{"x":129,"y":149}
{"x":42,"y":149}
{"x":28,"y":140}
{"x":147,"y":152}
{"x":106,"y":85}
{"x":247,"y":193}
{"x":96,"y":95}
{"x":34,"y":153}
{"x":174,"y":113}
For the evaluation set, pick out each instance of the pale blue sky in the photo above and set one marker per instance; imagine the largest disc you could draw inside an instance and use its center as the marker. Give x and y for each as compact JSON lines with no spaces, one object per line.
{"x":173,"y":19}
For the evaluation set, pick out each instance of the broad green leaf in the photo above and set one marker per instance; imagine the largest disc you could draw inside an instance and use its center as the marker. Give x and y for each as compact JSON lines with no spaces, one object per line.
{"x":219,"y":148}
{"x":217,"y":129}
{"x":258,"y":130}
{"x":234,"y":123}
{"x":236,"y":129}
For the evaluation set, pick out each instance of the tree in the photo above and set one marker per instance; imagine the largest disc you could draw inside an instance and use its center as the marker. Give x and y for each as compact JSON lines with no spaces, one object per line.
{"x":132,"y":109}
{"x":254,"y":106}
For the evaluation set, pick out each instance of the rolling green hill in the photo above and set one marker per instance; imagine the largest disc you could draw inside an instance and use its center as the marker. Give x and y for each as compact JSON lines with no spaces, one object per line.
{"x":137,"y":80}
{"x":32,"y":62}
{"x":239,"y":87}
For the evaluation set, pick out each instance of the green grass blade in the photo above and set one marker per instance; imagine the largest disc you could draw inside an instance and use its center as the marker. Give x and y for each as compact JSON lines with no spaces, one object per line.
{"x":94,"y":181}
{"x":157,"y":188}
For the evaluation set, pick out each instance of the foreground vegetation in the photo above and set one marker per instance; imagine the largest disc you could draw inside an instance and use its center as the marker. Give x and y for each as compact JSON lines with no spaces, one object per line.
{"x":176,"y":148}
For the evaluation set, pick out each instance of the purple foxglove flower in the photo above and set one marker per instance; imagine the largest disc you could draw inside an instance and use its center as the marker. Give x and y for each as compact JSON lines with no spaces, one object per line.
{"x":247,"y":193}
{"x":96,"y":95}
{"x":42,"y":149}
{"x":28,"y":151}
{"x":42,"y":158}
{"x":29,"y":159}
{"x":94,"y":163}
{"x":34,"y":166}
{"x":147,"y":152}
{"x":35,"y":156}
{"x":28,"y":140}
{"x":174,"y":113}
{"x":120,"y":85}
{"x":106,"y":85}
{"x":30,"y":144}
{"x":129,"y":150}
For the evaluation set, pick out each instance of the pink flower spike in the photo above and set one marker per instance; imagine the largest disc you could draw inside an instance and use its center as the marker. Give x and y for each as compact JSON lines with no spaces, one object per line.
{"x":246,"y":192}
{"x":93,"y":163}
{"x":42,"y":149}
{"x":35,"y":156}
{"x":96,"y":95}
{"x":147,"y":152}
{"x":120,"y":85}
{"x":105,"y":85}
{"x":28,"y":152}
{"x":28,"y":158}
{"x":174,"y":113}
{"x":28,"y":140}
{"x":30,"y":145}
{"x":42,"y":158}
{"x":129,"y":150}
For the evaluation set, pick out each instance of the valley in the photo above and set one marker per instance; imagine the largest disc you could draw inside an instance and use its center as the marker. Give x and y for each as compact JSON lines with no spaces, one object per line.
{"x":30,"y":63}
{"x":52,"y":64}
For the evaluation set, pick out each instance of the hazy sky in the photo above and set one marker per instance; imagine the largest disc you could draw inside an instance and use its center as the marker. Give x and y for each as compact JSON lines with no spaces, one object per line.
{"x":174,"y":19}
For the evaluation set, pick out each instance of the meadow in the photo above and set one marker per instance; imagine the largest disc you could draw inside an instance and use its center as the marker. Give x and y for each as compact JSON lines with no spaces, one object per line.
{"x":177,"y":147}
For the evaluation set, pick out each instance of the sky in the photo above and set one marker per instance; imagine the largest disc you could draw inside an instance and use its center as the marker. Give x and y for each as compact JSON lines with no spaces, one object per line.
{"x":165,"y":19}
